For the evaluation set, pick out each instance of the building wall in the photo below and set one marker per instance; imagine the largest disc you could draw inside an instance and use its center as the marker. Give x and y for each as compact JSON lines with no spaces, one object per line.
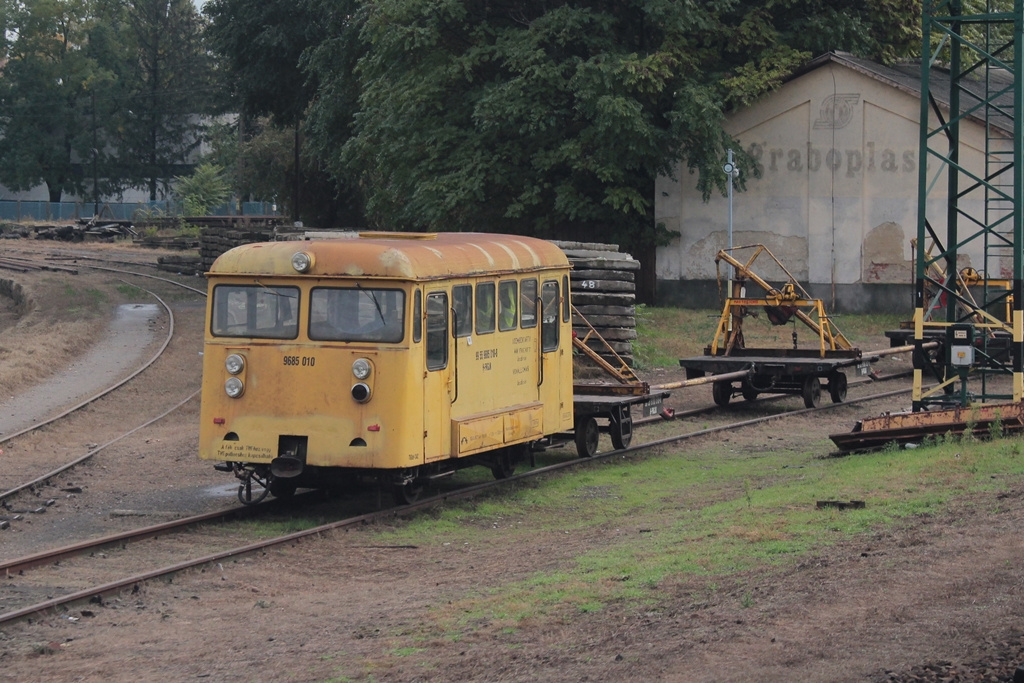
{"x":836,"y":200}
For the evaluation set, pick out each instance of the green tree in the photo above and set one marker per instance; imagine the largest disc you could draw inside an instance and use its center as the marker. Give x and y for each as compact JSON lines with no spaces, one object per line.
{"x":205,"y":188}
{"x":168,"y":82}
{"x":47,"y":95}
{"x":264,"y":46}
{"x":555,"y":118}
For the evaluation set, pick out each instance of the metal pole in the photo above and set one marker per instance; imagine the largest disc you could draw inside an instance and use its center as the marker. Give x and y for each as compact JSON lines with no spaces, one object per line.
{"x":730,"y":169}
{"x":730,"y":172}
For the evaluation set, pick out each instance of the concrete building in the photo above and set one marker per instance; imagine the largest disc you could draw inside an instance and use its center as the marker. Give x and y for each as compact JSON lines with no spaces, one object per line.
{"x":837,"y":197}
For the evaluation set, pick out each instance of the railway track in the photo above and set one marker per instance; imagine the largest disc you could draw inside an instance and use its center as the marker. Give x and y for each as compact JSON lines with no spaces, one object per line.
{"x":33,"y":471}
{"x":127,"y":581}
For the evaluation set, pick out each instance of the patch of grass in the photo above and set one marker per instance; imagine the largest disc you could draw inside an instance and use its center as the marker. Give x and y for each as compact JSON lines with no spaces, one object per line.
{"x":133,"y":293}
{"x":620,"y":532}
{"x":88,"y":301}
{"x":661,"y":341}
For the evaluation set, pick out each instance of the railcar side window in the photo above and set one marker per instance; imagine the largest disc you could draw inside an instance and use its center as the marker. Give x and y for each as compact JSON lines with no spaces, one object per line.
{"x":485,"y":308}
{"x":255,"y":311}
{"x":549,"y":313}
{"x":507,"y":296}
{"x":462,"y":302}
{"x":356,"y":314}
{"x":437,"y":331}
{"x":417,"y":317}
{"x":528,"y":317}
{"x":565,"y":299}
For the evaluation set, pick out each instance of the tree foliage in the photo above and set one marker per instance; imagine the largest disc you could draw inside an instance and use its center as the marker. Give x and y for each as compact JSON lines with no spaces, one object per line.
{"x":45,"y":95}
{"x":166,"y":86}
{"x":100,"y":95}
{"x":265,"y":46}
{"x":205,"y":188}
{"x":555,"y":118}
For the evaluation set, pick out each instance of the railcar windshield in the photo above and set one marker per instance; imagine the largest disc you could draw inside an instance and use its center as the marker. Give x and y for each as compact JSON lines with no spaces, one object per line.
{"x":255,"y":311}
{"x":356,"y":314}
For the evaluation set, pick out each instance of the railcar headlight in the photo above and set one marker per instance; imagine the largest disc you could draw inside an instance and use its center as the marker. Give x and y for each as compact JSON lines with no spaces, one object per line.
{"x":233,"y":387}
{"x":234,"y":364}
{"x":361,"y":368}
{"x":361,"y":393}
{"x":302,"y":261}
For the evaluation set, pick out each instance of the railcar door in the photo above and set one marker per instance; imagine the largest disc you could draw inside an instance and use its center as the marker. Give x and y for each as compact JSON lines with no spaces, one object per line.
{"x":551,"y":354}
{"x":438,"y":374}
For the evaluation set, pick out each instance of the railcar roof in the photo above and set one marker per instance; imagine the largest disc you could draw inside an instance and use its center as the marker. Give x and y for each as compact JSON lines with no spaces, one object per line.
{"x":396,"y":255}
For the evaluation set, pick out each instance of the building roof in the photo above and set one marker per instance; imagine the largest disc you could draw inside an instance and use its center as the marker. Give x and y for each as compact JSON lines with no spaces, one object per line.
{"x":416,"y":256}
{"x":906,"y":76}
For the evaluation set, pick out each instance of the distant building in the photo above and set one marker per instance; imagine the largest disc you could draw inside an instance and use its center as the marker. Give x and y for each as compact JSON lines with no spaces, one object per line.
{"x":836,"y":202}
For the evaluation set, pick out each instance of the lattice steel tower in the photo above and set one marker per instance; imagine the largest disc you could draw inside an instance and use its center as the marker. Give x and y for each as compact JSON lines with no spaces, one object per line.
{"x":968,"y":249}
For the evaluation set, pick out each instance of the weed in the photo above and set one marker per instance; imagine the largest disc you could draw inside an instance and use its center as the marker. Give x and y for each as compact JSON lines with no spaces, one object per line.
{"x":131,"y":291}
{"x":995,"y":429}
{"x":970,"y":426}
{"x":747,"y":601}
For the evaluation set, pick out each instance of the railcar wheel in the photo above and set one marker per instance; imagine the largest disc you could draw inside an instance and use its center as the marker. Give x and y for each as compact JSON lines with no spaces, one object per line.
{"x":503,"y":463}
{"x":408,"y":493}
{"x":812,"y":392}
{"x":587,"y":436}
{"x":253,"y":489}
{"x":721,"y":391}
{"x":622,"y":430}
{"x":837,"y":387}
{"x":749,"y":392}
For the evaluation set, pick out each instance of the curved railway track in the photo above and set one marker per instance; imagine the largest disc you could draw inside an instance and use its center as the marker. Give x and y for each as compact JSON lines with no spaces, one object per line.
{"x":35,"y":480}
{"x":129,"y":581}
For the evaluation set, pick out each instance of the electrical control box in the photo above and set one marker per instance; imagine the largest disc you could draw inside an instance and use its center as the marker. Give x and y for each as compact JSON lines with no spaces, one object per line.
{"x":960,"y":342}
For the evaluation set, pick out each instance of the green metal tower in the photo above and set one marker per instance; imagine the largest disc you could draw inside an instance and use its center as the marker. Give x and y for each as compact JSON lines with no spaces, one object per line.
{"x":969,"y":241}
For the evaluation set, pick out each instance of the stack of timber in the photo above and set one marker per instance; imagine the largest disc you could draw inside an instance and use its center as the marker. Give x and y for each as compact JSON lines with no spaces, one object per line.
{"x":181,"y":265}
{"x":603,"y":282}
{"x":221,"y":233}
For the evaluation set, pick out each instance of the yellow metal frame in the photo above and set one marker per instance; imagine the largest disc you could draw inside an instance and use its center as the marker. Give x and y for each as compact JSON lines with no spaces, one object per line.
{"x":729,"y":332}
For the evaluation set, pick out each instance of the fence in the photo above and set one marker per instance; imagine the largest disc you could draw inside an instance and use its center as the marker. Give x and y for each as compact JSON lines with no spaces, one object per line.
{"x":19,"y":210}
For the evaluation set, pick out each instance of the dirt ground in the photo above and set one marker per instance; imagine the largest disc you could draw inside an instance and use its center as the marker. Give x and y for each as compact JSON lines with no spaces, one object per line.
{"x":938,"y":599}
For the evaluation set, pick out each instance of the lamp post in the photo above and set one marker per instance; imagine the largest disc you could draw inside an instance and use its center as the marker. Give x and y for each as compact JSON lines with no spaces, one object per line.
{"x":731,"y":172}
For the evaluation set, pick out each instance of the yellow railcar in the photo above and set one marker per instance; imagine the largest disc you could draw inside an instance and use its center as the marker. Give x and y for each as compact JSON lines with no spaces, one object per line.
{"x":401,"y":355}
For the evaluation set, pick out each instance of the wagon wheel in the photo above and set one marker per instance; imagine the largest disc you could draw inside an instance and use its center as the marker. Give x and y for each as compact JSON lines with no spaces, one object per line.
{"x":837,"y":387}
{"x":721,"y":391}
{"x":407,"y":493}
{"x":812,"y":392}
{"x":587,"y":436}
{"x":621,"y":429}
{"x":252,"y":480}
{"x":748,"y":391}
{"x":503,"y":463}
{"x":407,"y":488}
